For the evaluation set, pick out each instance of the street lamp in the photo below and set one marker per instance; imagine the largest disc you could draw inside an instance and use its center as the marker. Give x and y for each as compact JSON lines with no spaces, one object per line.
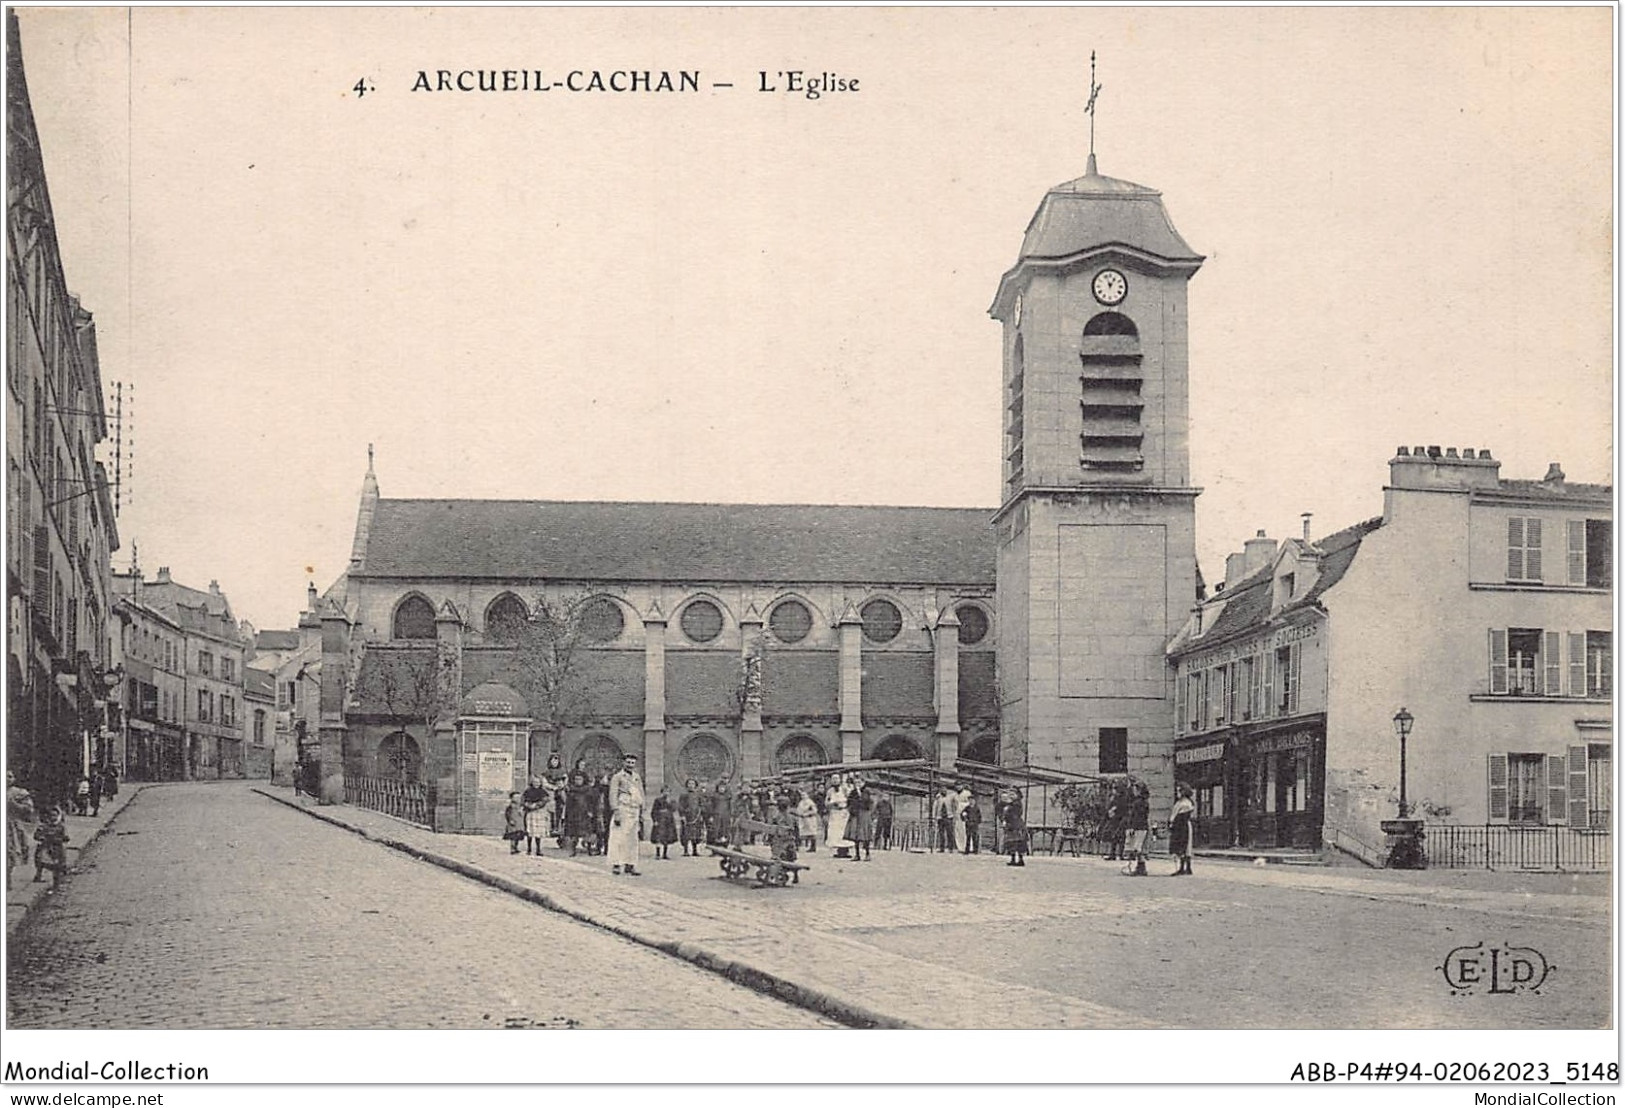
{"x":1402,"y":727}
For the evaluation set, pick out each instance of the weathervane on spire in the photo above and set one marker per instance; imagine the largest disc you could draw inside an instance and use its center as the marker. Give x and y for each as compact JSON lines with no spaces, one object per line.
{"x":1089,"y":108}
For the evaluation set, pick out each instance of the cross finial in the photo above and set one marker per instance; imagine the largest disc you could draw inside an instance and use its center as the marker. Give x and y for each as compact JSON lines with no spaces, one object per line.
{"x":369,"y":457}
{"x":1089,"y":108}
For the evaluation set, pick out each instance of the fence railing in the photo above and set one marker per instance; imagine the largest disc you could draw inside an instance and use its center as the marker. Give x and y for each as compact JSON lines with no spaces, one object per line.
{"x":401,"y":799}
{"x":1501,"y":846}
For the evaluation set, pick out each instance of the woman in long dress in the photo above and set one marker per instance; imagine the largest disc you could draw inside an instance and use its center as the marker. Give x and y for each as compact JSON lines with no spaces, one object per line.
{"x":835,"y":798}
{"x":579,"y":804}
{"x":860,"y":824}
{"x":1179,"y":831}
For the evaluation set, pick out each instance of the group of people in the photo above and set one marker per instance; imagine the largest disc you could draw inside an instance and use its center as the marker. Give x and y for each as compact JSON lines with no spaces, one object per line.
{"x":43,"y":822}
{"x":1126,"y":829}
{"x":604,"y":814}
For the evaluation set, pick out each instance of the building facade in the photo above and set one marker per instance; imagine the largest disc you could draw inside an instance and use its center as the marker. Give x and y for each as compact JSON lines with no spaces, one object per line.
{"x":150,"y":650}
{"x":714,"y":641}
{"x":61,"y":529}
{"x":1096,"y":536}
{"x":1481,"y":605}
{"x":213,"y":652}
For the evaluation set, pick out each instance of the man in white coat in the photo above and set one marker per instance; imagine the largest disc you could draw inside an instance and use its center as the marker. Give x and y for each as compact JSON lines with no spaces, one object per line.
{"x":625,"y":817}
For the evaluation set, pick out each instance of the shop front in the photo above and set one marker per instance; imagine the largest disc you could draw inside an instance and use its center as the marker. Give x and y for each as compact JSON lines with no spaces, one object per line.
{"x":1205,"y":767}
{"x":1282,"y":774}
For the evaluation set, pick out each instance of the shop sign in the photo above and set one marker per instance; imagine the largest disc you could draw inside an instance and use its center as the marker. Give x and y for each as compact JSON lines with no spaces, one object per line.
{"x":1295,"y":741}
{"x":1212,"y":752}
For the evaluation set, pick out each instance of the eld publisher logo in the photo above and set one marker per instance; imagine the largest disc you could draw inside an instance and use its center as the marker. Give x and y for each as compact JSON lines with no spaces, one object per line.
{"x":1497,"y":970}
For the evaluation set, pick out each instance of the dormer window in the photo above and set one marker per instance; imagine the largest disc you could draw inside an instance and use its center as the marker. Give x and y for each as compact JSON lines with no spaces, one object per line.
{"x":1285,"y":587}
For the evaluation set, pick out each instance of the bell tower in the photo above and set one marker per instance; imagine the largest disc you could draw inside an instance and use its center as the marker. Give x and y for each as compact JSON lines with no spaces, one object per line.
{"x":1096,"y":533}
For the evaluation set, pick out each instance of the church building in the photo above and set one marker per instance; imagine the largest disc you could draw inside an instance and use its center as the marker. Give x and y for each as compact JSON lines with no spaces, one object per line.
{"x":469,"y":640}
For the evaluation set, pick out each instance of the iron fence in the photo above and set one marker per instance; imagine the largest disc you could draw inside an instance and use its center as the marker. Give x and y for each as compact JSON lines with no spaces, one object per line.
{"x":401,"y":799}
{"x":1505,"y":846}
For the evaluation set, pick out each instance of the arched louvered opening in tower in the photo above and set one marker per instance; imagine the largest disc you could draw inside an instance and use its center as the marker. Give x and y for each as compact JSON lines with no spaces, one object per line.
{"x":1113,"y":412}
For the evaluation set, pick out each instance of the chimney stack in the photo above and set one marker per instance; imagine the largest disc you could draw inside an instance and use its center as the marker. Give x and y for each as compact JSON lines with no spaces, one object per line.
{"x":163,"y":576}
{"x":1433,"y":467}
{"x":1307,"y":516}
{"x":1260,"y":550}
{"x":1554,"y":475}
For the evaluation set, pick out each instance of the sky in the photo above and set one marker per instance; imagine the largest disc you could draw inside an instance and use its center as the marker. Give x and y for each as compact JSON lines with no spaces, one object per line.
{"x":744,"y":296}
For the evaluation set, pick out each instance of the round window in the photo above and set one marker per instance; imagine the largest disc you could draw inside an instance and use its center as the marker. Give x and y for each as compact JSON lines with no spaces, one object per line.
{"x":702,"y":621}
{"x":601,"y":620}
{"x":790,"y":621}
{"x":972,"y":624}
{"x":881,"y":621}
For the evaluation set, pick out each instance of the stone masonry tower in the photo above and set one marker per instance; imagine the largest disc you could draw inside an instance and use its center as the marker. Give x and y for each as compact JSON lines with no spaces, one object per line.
{"x":1096,"y":535}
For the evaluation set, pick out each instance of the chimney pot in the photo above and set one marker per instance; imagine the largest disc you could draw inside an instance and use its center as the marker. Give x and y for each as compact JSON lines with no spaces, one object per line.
{"x":1307,"y":516}
{"x":1434,"y":452}
{"x":1554,"y":474}
{"x":1260,"y":533}
{"x":1404,"y":452}
{"x":1450,"y":452}
{"x":1419,"y":451}
{"x":1467,"y":452}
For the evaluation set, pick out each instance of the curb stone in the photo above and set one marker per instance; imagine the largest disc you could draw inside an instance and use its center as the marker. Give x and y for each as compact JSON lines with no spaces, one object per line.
{"x":741,"y":973}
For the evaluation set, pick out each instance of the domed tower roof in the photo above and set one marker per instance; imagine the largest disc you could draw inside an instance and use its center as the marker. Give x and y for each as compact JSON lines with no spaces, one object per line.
{"x":1093,"y":214}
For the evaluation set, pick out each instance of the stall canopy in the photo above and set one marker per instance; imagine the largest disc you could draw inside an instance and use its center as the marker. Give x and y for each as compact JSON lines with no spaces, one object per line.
{"x":923,"y":778}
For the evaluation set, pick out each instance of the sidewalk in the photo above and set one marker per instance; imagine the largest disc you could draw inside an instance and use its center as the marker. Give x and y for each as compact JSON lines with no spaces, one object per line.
{"x":772,"y":951}
{"x":25,"y":893}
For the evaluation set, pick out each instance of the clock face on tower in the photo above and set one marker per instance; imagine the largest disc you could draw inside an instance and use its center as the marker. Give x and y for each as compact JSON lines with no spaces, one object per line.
{"x":1110,"y":287}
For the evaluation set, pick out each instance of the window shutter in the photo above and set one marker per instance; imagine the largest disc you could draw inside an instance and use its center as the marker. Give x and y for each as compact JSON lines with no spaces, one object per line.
{"x":1579,"y":807}
{"x":1297,"y":677}
{"x":1498,"y":787}
{"x":1577,"y":552}
{"x":1553,"y":650}
{"x":42,"y":568}
{"x":1498,"y":661}
{"x":1179,"y":705}
{"x":1266,"y":707}
{"x":1514,"y":548}
{"x":1531,"y":549}
{"x":1577,"y":663}
{"x":1557,"y":789}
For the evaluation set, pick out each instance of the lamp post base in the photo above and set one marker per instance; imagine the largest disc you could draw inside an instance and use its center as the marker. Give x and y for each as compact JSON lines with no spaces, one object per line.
{"x":1405,"y":844}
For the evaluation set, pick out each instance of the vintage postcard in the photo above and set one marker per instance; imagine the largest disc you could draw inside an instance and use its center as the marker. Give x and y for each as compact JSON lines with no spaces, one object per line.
{"x":1088,"y":520}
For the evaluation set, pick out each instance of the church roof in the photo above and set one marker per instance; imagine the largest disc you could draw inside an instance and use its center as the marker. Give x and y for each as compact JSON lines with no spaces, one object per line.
{"x":621,"y":541}
{"x":1093,"y":211}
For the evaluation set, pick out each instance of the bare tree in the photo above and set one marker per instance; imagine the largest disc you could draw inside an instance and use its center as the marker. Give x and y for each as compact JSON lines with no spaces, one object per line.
{"x":411,"y":686}
{"x":547,"y":663}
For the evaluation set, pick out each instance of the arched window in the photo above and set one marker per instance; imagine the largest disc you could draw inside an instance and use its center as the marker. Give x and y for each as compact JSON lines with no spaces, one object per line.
{"x":398,"y":759}
{"x":505,"y":618}
{"x":601,"y":620}
{"x":984,"y":749}
{"x":1111,"y":323}
{"x":414,"y":619}
{"x":602,"y":754}
{"x":799,"y":751}
{"x":882,"y":622}
{"x":790,"y":621}
{"x":705,"y":758}
{"x":897,"y":748}
{"x":972,"y":624}
{"x":702,"y":621}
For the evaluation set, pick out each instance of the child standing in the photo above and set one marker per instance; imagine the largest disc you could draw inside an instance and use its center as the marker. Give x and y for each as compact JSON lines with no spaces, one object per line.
{"x":663,"y":814}
{"x":513,"y":819}
{"x":51,"y":845}
{"x":973,"y":827}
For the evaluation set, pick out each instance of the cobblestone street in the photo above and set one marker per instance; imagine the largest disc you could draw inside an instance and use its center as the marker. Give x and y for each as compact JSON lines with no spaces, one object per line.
{"x":254,"y":914}
{"x":209,"y":906}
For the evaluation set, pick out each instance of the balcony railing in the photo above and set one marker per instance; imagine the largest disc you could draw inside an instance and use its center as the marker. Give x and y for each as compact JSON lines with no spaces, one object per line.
{"x":1508,"y":846}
